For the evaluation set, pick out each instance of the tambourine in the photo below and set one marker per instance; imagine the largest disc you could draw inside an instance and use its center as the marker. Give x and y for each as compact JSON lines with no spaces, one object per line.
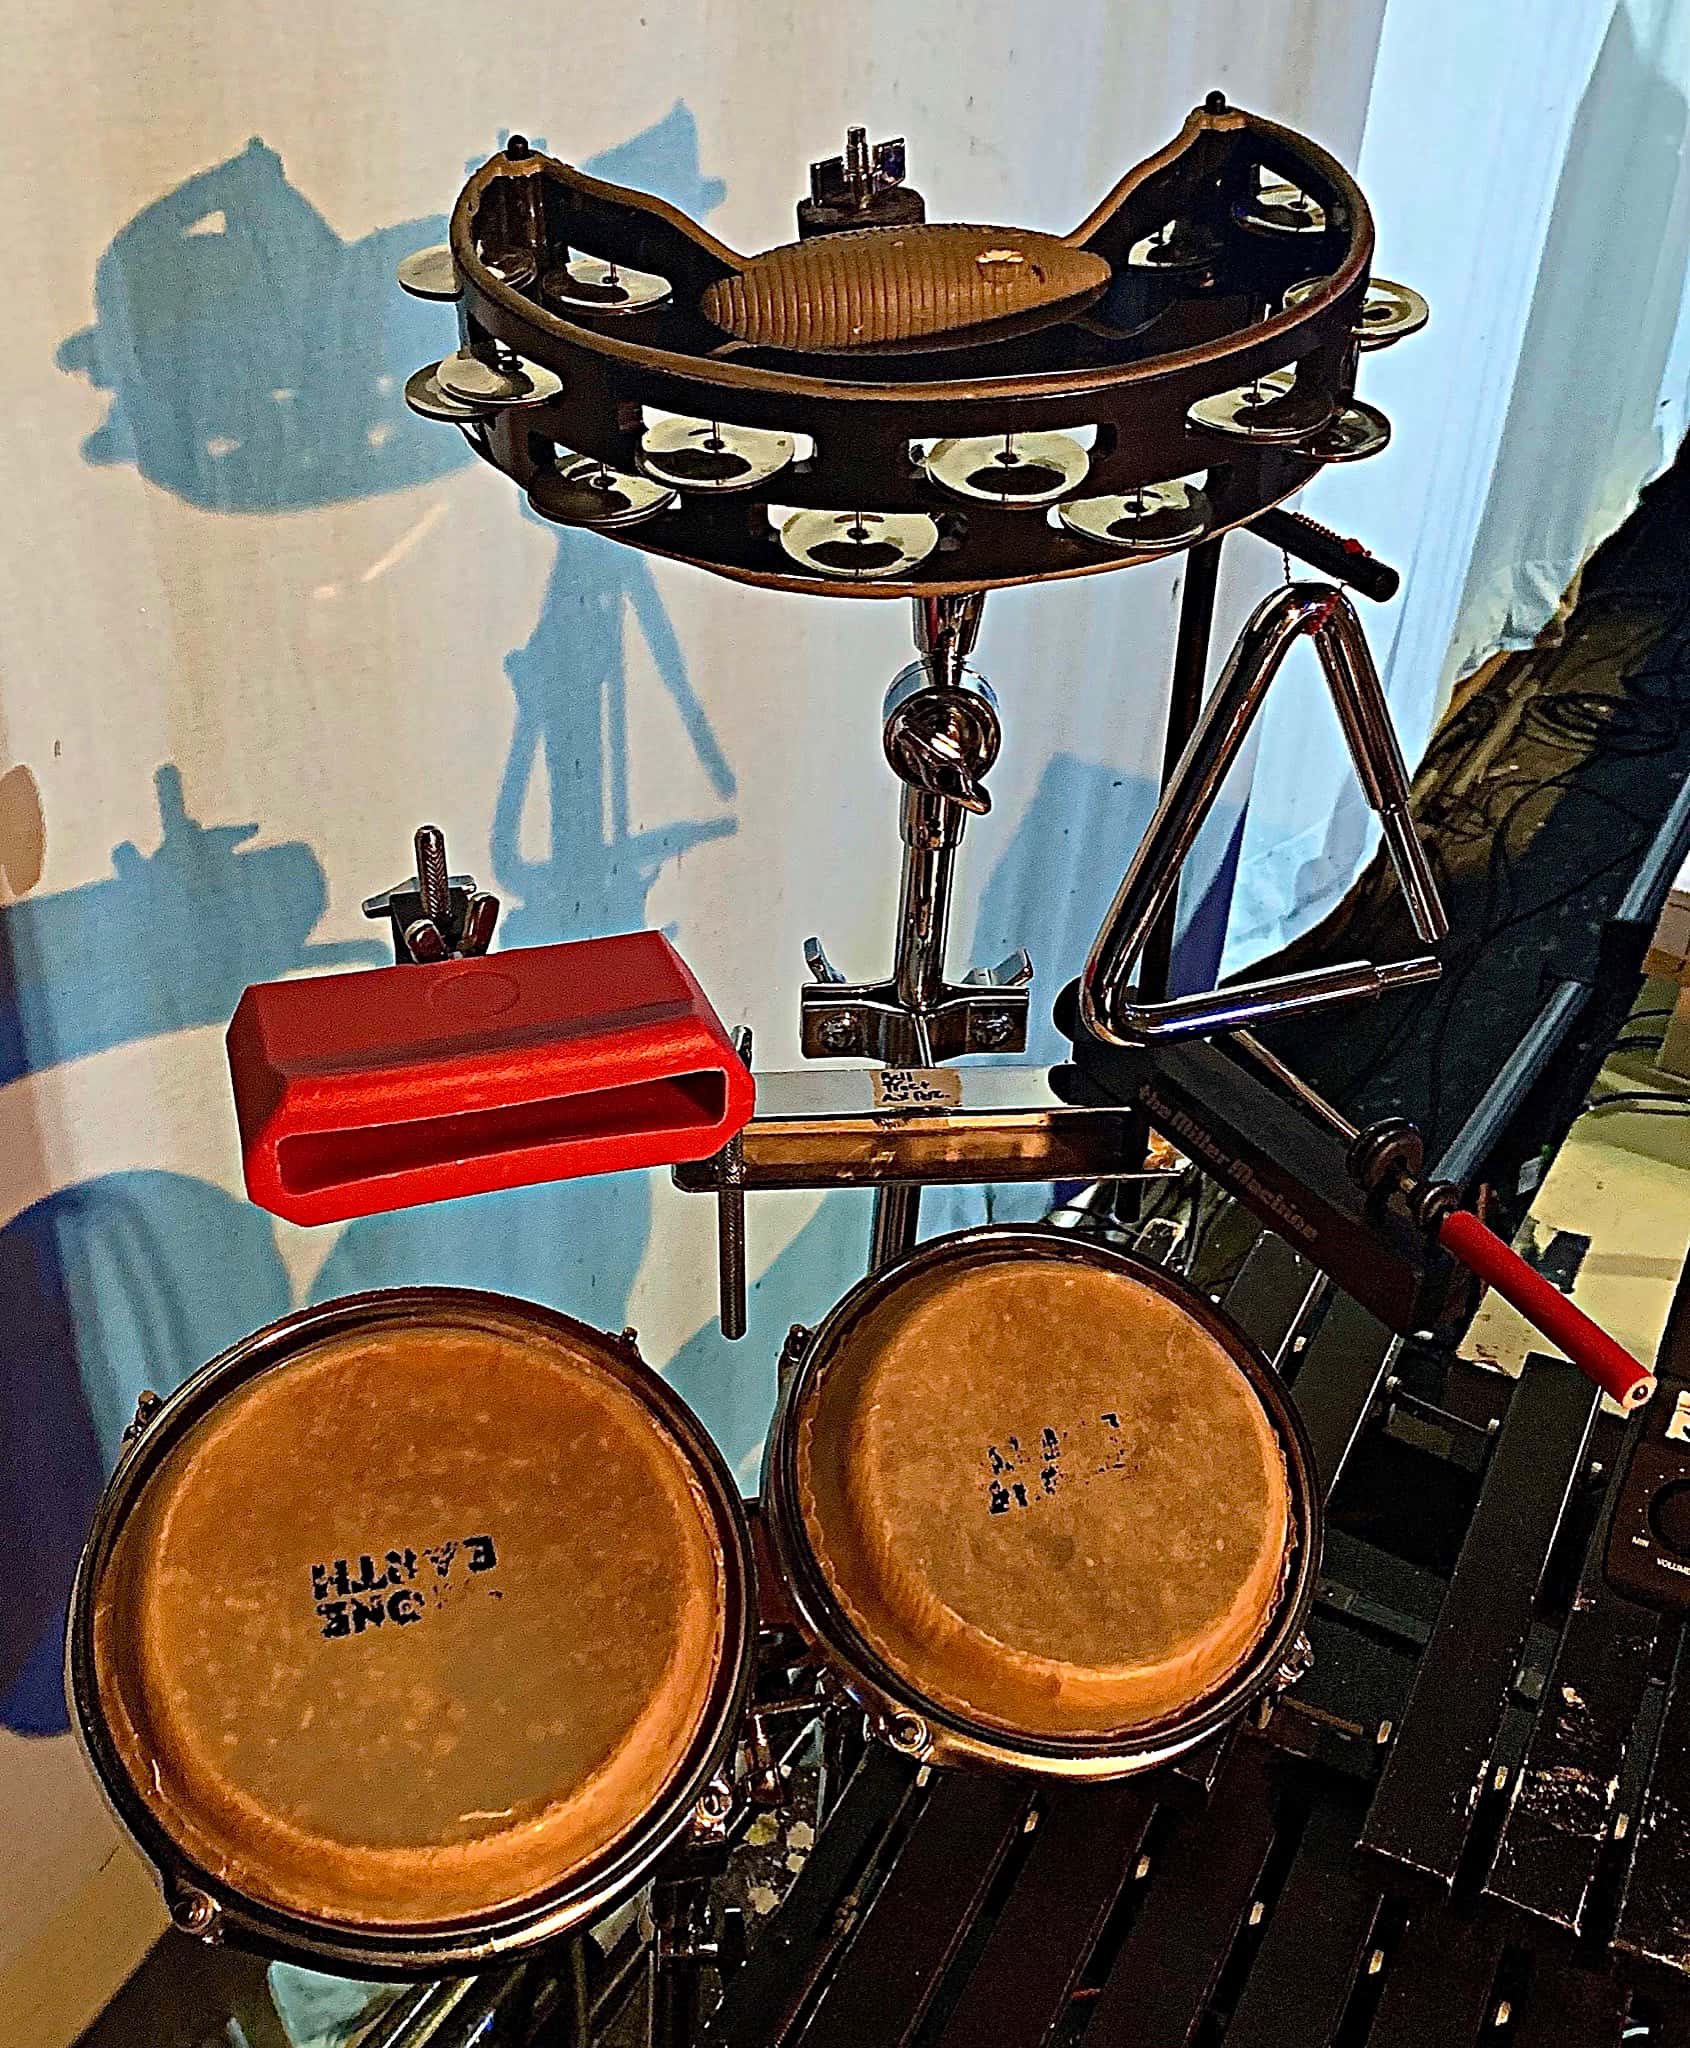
{"x":918,"y":407}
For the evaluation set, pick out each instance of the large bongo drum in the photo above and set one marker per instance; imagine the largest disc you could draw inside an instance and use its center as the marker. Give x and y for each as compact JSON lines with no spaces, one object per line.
{"x":1041,"y":1506}
{"x":411,"y":1631}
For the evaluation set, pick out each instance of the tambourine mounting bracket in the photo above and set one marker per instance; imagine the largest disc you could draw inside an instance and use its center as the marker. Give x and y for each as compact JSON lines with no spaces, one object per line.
{"x":866,"y":1020}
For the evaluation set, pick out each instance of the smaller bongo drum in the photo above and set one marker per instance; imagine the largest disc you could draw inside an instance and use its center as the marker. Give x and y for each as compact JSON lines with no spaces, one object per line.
{"x":1041,"y":1506}
{"x":411,"y":1630}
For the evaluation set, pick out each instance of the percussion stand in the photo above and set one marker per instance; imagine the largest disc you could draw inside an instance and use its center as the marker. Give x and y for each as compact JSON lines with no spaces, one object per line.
{"x":941,"y":735}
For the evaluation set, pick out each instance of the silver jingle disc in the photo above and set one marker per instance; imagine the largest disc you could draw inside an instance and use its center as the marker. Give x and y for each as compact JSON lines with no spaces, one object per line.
{"x":515,"y":267}
{"x":1351,"y":436}
{"x":1159,"y":516}
{"x":428,"y":274}
{"x":1281,"y":210}
{"x":1177,"y":245}
{"x":1033,"y":470}
{"x":586,"y":492}
{"x":425,"y":398}
{"x":853,"y":547}
{"x":1388,"y":312}
{"x":587,"y":284}
{"x":1268,"y":410}
{"x":498,"y":380}
{"x":704,"y":455}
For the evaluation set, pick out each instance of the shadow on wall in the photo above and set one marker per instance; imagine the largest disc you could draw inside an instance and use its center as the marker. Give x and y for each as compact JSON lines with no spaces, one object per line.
{"x":126,"y":1282}
{"x":577,"y":1245}
{"x":220,"y":398}
{"x":167,"y":943}
{"x":107,"y":1284}
{"x":257,"y":362}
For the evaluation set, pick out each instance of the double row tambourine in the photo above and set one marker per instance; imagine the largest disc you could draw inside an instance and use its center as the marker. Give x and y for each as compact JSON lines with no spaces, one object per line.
{"x":415,"y":1629}
{"x":915,"y":406}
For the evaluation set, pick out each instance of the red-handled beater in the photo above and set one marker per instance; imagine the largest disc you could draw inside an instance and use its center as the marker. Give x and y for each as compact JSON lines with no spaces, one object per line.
{"x":1386,"y":1156}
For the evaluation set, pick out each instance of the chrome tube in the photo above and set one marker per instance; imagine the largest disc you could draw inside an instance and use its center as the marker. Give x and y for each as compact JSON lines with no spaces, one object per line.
{"x":1153,"y":874}
{"x":1152,"y":877}
{"x":1284,"y":995}
{"x":1360,"y":700}
{"x":931,"y":831}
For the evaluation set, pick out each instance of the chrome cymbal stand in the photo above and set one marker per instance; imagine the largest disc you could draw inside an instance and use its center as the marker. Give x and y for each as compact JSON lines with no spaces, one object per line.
{"x":941,"y":735}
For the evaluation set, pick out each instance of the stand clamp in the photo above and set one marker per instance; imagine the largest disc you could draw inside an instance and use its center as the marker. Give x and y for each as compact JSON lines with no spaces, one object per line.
{"x":941,"y":734}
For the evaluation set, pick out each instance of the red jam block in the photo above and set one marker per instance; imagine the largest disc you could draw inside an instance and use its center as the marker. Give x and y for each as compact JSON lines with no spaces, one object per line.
{"x":359,"y":1093}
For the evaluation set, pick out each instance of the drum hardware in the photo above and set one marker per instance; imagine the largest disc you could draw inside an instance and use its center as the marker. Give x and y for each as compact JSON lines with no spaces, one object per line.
{"x":492,"y":376}
{"x":730,"y":1215}
{"x":1352,"y":1200}
{"x":706,"y":455}
{"x":940,"y":734}
{"x":862,"y":188}
{"x":1388,"y":312}
{"x":588,"y":284}
{"x":1033,"y":470}
{"x":460,"y":916}
{"x":961,"y":1127}
{"x":1149,"y":517}
{"x":587,"y":492}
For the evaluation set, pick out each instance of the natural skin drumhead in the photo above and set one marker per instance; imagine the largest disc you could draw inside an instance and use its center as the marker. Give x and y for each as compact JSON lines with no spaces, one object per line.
{"x":413,"y":1625}
{"x":1045,"y":1495}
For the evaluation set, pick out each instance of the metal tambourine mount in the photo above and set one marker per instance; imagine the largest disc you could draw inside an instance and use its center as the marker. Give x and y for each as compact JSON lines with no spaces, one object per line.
{"x":889,"y":406}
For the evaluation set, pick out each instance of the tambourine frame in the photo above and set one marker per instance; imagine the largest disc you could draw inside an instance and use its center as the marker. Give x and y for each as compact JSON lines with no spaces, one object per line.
{"x":890,"y":1699}
{"x":462,"y":1944}
{"x":864,"y":410}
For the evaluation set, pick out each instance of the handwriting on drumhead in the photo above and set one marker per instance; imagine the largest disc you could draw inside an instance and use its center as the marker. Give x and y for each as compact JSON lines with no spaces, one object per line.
{"x":353,"y":1595}
{"x":1021,"y":1475}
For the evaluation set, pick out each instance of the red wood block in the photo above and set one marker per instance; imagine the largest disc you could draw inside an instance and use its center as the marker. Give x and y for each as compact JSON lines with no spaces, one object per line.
{"x":358,"y":1093}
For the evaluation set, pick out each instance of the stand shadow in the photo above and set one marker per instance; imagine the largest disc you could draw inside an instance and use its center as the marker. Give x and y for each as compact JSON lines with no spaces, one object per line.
{"x":256,"y":361}
{"x":117,"y":1284}
{"x":576,"y":1245}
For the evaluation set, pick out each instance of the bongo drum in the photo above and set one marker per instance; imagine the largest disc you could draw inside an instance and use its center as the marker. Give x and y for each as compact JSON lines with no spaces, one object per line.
{"x":411,"y":1630}
{"x":1041,"y":1506}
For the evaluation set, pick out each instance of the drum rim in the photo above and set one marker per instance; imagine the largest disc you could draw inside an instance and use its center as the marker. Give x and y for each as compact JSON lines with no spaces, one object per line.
{"x":426,"y":1948}
{"x":825,"y":1619}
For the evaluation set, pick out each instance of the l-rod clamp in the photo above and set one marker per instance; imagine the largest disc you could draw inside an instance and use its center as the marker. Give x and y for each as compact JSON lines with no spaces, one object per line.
{"x":941,"y":735}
